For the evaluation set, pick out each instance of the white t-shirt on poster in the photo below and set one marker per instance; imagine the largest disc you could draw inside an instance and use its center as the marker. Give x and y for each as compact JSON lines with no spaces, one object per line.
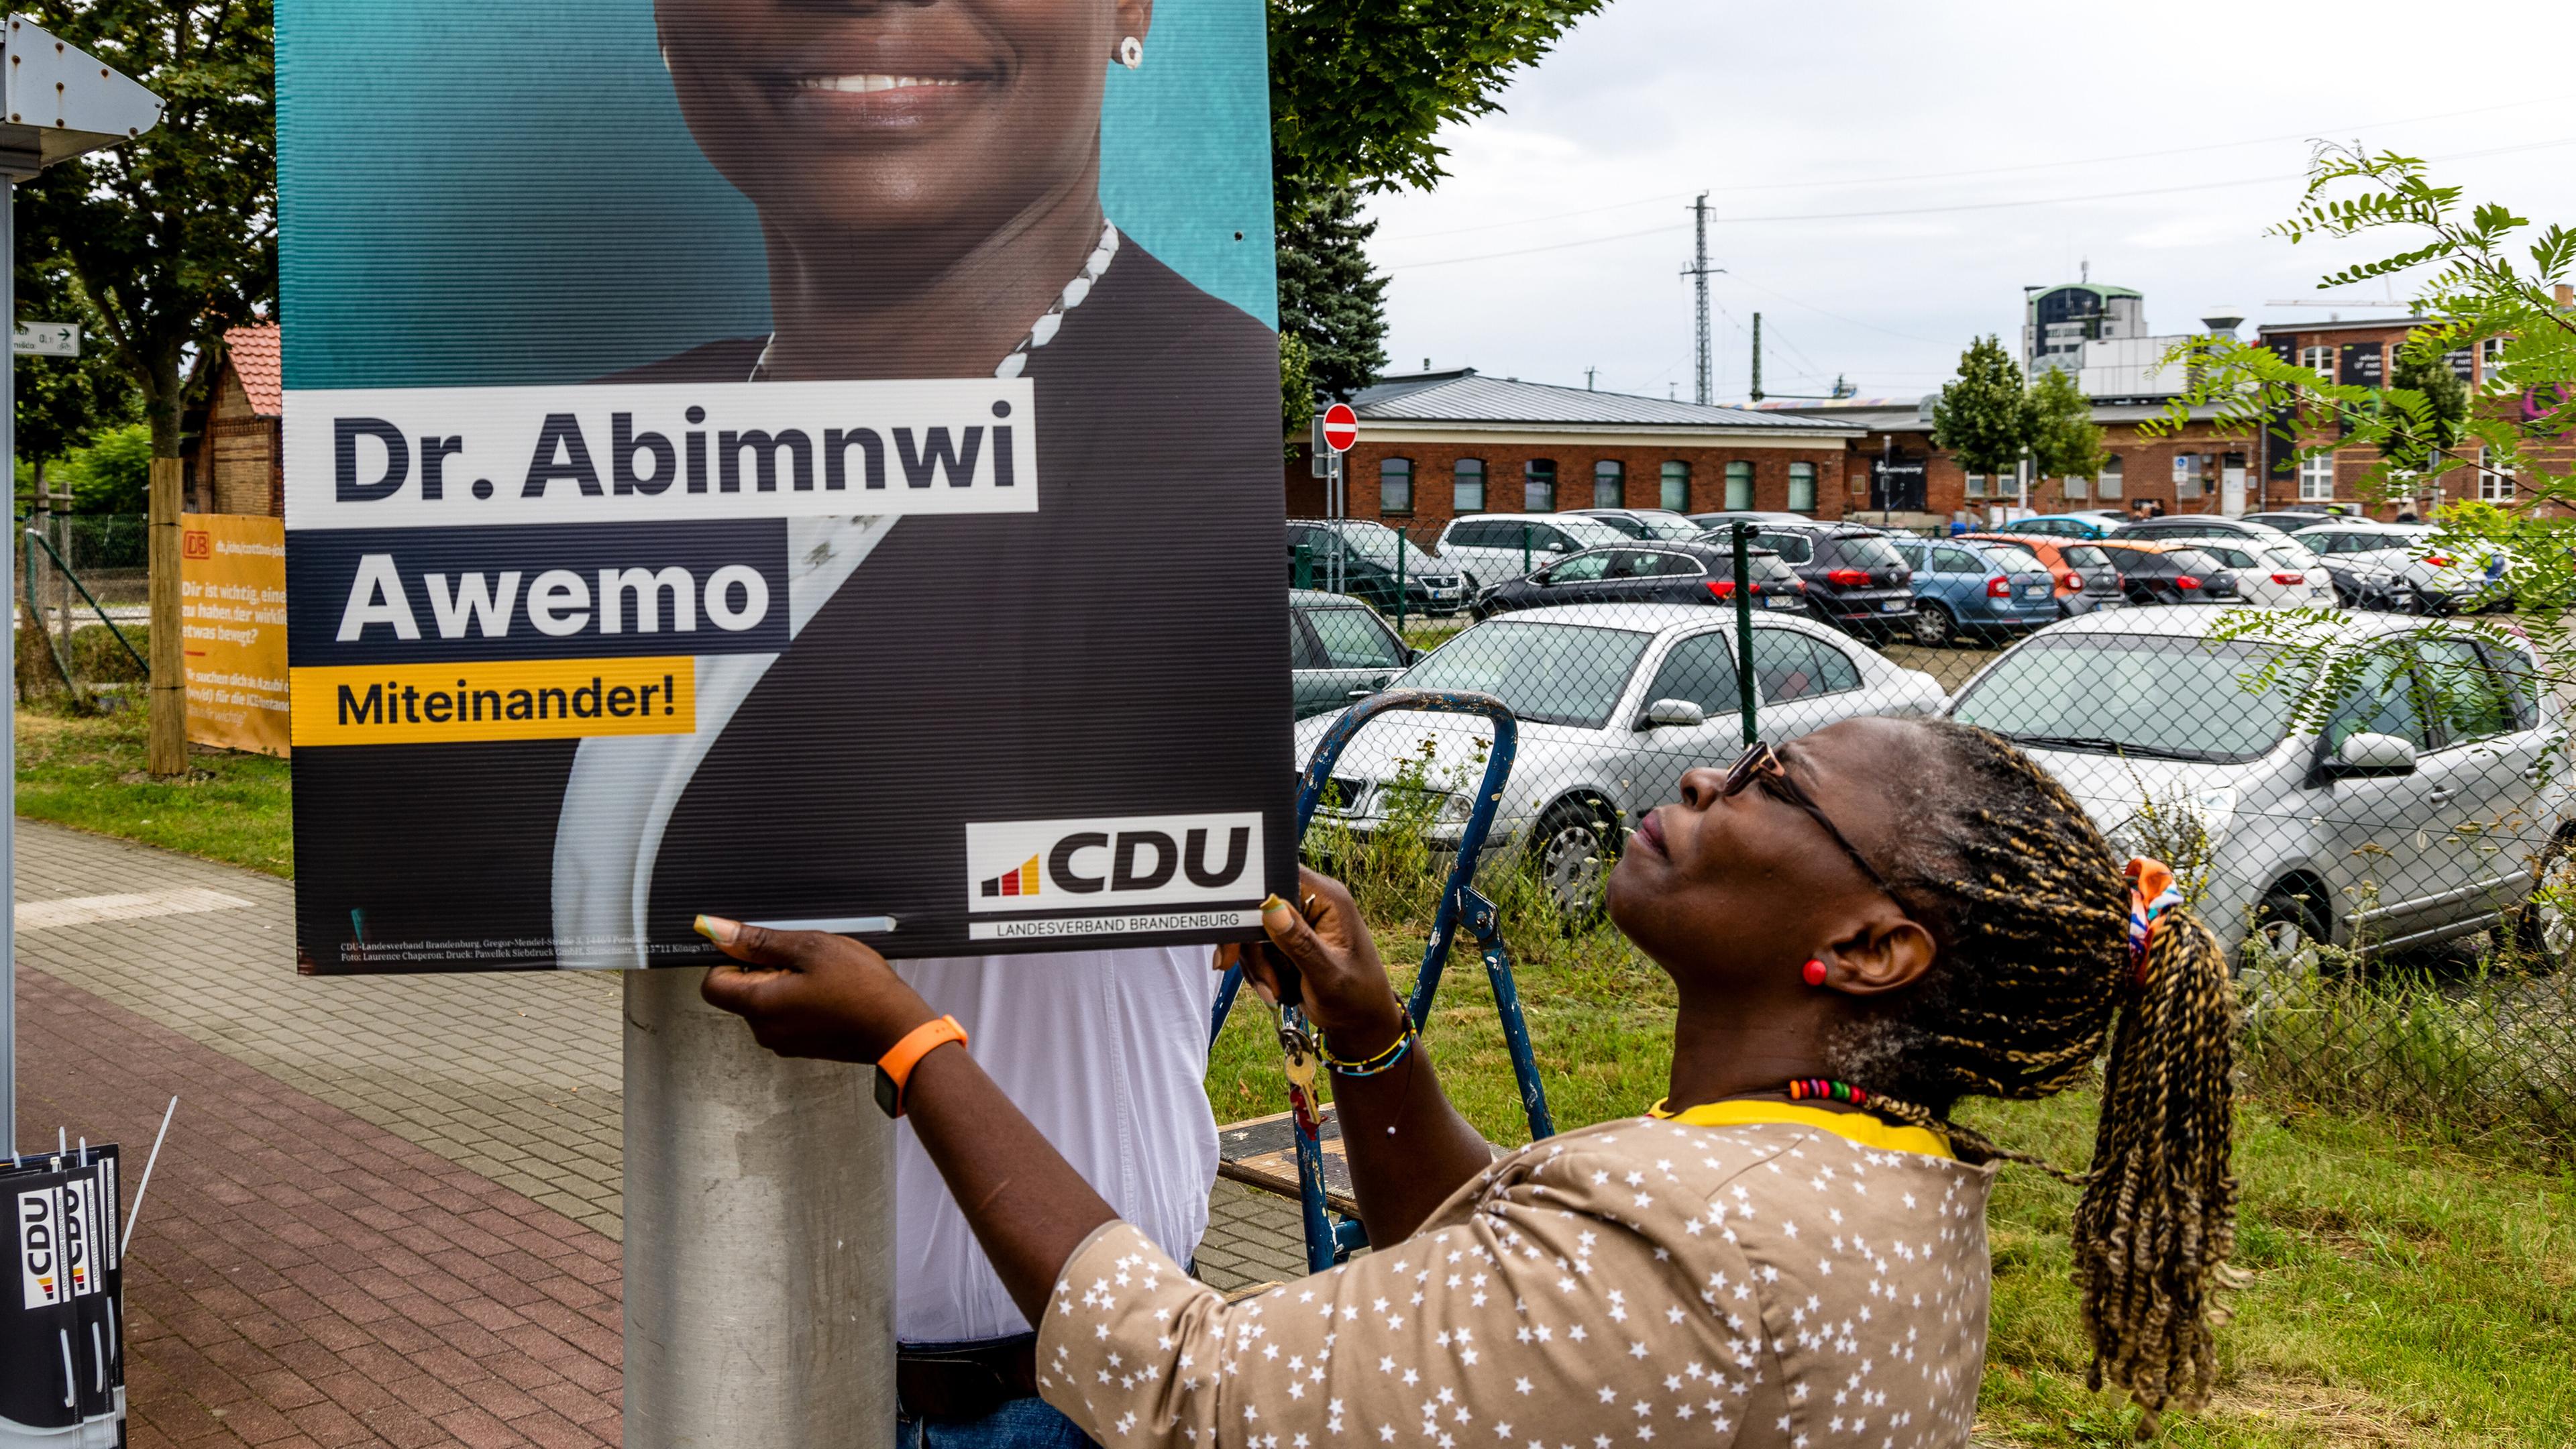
{"x":1106,"y":1052}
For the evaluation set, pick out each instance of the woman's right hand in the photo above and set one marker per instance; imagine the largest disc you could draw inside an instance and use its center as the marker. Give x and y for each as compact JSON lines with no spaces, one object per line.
{"x":1342,"y":983}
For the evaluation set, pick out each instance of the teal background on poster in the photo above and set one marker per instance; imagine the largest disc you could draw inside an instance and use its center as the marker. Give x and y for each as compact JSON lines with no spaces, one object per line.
{"x":495,"y":192}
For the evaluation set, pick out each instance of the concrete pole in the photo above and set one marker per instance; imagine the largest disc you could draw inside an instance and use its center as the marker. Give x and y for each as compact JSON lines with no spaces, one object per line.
{"x":759,"y":1237}
{"x":9,"y":726}
{"x":167,"y":743}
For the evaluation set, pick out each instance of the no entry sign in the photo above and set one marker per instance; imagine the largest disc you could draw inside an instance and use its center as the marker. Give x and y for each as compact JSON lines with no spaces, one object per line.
{"x":1341,"y":427}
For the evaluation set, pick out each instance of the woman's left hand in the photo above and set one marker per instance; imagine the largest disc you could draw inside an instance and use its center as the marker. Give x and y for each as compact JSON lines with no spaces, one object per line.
{"x":811,"y":994}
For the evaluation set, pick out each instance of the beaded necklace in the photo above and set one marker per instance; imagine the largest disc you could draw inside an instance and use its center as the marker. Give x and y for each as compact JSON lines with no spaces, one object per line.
{"x":1041,"y":332}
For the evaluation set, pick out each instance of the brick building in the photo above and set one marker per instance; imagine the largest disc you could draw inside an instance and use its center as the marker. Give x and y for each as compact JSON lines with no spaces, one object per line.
{"x":241,"y":452}
{"x":1436,"y":445}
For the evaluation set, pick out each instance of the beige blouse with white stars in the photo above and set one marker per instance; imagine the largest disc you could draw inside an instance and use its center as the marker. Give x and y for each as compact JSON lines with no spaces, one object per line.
{"x":1741,"y":1274}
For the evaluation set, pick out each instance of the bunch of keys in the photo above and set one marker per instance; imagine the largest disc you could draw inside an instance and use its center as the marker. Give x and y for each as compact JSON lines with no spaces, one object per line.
{"x":1297,"y":1046}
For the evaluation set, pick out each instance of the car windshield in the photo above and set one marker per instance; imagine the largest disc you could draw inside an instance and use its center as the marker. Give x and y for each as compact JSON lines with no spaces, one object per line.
{"x":1378,"y":542}
{"x":2014,"y":543}
{"x":2143,"y":694}
{"x":1663,"y":526}
{"x":1566,"y":674}
{"x":2083,"y":556}
{"x":1588,"y":532}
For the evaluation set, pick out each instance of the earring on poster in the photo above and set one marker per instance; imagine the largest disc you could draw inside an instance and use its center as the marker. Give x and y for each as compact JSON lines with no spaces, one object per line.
{"x":1131,"y":52}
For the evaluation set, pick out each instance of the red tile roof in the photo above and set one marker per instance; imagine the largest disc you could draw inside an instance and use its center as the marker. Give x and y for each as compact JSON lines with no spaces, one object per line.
{"x":255,"y":356}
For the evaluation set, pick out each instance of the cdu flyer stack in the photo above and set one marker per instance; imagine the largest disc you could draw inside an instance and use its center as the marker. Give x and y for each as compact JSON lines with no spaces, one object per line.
{"x":62,"y":1321}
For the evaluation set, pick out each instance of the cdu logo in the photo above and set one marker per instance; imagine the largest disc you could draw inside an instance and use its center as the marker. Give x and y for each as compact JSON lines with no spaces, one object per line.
{"x":40,"y":1256}
{"x":1113,"y":862}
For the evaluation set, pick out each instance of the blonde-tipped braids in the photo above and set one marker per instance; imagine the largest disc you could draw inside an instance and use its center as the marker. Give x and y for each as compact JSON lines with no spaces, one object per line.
{"x":2030,"y":911}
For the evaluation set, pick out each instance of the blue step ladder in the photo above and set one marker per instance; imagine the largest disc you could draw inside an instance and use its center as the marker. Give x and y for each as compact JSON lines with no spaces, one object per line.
{"x":1461,"y":906}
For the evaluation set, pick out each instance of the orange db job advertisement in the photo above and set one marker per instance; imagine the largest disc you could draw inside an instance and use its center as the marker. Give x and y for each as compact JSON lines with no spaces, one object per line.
{"x":232,"y":609}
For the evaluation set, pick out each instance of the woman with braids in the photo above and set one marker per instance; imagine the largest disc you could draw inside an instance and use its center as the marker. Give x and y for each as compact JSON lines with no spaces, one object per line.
{"x":1864,"y":927}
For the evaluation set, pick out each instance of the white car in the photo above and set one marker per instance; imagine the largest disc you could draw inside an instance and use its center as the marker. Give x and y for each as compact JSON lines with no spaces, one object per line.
{"x":2403,"y":566}
{"x":1613,"y":702}
{"x":2433,"y":797}
{"x":2282,"y":575}
{"x":1491,"y":547}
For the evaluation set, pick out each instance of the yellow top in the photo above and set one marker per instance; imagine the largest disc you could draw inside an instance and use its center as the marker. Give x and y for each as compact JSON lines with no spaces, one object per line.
{"x":1860,"y":1127}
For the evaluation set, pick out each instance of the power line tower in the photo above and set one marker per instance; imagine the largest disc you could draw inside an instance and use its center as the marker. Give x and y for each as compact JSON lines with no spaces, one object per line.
{"x":1699,"y":273}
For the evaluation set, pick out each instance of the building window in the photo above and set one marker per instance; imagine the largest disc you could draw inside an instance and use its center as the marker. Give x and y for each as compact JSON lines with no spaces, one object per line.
{"x":2112,"y":479}
{"x":2316,"y":479}
{"x":2079,"y":486}
{"x":1538,"y":485}
{"x":1976,"y":485}
{"x":2319,"y":360}
{"x":2186,"y":475}
{"x":1802,"y":487}
{"x":1609,"y":484}
{"x":1467,"y":486}
{"x":2491,"y":363}
{"x":1395,"y":485}
{"x":1676,"y":491}
{"x":1739,"y":486}
{"x":2493,"y":487}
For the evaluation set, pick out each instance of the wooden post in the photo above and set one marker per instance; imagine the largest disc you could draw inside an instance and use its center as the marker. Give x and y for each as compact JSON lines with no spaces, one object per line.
{"x":168,"y":752}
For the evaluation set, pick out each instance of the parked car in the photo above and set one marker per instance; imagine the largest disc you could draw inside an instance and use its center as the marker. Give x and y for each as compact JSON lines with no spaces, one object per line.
{"x":1338,"y":650}
{"x":1854,"y":577}
{"x":2085,"y":578}
{"x":1707,"y":521}
{"x":2200,"y":525}
{"x":2291,"y":520}
{"x":1658,"y":524}
{"x":2438,"y":744}
{"x":1613,"y":703}
{"x":2270,"y":575}
{"x":2399,"y":566}
{"x":1358,"y":558}
{"x":1982,"y":592}
{"x":2067,"y":525}
{"x":1667,"y":573}
{"x":1488,"y":548}
{"x":2169,"y":573}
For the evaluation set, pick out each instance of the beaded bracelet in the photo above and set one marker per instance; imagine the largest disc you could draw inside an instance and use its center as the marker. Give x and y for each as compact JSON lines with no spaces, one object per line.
{"x":1369,"y":1066}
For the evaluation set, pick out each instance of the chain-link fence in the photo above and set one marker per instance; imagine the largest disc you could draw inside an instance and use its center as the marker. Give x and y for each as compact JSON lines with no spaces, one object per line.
{"x":84,"y":581}
{"x":2349,"y":741}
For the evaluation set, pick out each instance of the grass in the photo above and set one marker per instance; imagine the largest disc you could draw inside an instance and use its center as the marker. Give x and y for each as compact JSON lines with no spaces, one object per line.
{"x":88,"y":771}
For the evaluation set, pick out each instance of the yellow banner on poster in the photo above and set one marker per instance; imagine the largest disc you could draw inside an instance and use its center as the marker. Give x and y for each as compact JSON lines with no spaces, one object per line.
{"x":510,"y":699}
{"x":232,"y":613}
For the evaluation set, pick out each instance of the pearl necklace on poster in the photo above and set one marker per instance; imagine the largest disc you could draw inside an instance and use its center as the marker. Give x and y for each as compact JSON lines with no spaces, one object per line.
{"x":1042,"y":331}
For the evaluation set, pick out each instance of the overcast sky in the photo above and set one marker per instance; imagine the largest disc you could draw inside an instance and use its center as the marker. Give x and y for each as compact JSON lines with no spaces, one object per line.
{"x":1789,"y":112}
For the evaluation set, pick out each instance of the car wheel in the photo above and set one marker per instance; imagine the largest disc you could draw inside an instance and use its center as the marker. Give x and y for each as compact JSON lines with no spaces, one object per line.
{"x":2544,"y":925}
{"x":2291,"y":924}
{"x":1933,"y":626}
{"x":1573,"y":848}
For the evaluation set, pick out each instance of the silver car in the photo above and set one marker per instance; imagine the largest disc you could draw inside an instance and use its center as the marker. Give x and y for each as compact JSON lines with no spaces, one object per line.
{"x":2424,"y":809}
{"x":1614,"y":702}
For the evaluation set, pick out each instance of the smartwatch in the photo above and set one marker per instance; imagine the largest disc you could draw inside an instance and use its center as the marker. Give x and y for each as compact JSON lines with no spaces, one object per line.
{"x":894,"y":1069}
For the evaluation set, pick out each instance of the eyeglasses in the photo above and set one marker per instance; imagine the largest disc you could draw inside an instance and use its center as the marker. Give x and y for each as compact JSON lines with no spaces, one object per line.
{"x":1760,"y":766}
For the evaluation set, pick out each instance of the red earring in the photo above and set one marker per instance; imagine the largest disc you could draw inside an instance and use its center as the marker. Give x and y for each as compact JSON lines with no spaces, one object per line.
{"x":1815,"y":973}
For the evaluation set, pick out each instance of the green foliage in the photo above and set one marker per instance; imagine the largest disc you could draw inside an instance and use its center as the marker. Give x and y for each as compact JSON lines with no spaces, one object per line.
{"x":1296,"y":391}
{"x":62,"y":402}
{"x":1330,"y":299}
{"x":173,"y":236}
{"x":112,"y":474}
{"x":2064,"y":442}
{"x":1359,"y":89}
{"x":1983,"y":415}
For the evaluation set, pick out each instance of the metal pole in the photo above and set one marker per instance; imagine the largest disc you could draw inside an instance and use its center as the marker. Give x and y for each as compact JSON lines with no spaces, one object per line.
{"x":1744,"y":629}
{"x":9,"y":728}
{"x":1399,"y":586}
{"x":759,"y":1237}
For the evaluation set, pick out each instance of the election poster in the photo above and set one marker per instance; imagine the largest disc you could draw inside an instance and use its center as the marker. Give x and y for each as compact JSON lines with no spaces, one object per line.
{"x":232,"y":614}
{"x":812,"y":464}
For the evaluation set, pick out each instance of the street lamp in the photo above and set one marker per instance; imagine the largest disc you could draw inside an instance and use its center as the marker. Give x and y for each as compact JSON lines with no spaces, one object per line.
{"x":56,"y":103}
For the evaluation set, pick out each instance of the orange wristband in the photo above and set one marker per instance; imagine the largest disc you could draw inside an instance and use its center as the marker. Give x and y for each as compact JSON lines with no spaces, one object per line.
{"x":894,"y":1069}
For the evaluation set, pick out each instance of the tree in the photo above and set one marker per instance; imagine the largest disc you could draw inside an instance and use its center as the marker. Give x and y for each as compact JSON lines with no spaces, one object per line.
{"x":65,"y":402}
{"x":1983,"y":415}
{"x":2417,"y":445}
{"x":1330,"y":299}
{"x":1358,"y":92}
{"x":173,"y":236}
{"x":2064,"y":443}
